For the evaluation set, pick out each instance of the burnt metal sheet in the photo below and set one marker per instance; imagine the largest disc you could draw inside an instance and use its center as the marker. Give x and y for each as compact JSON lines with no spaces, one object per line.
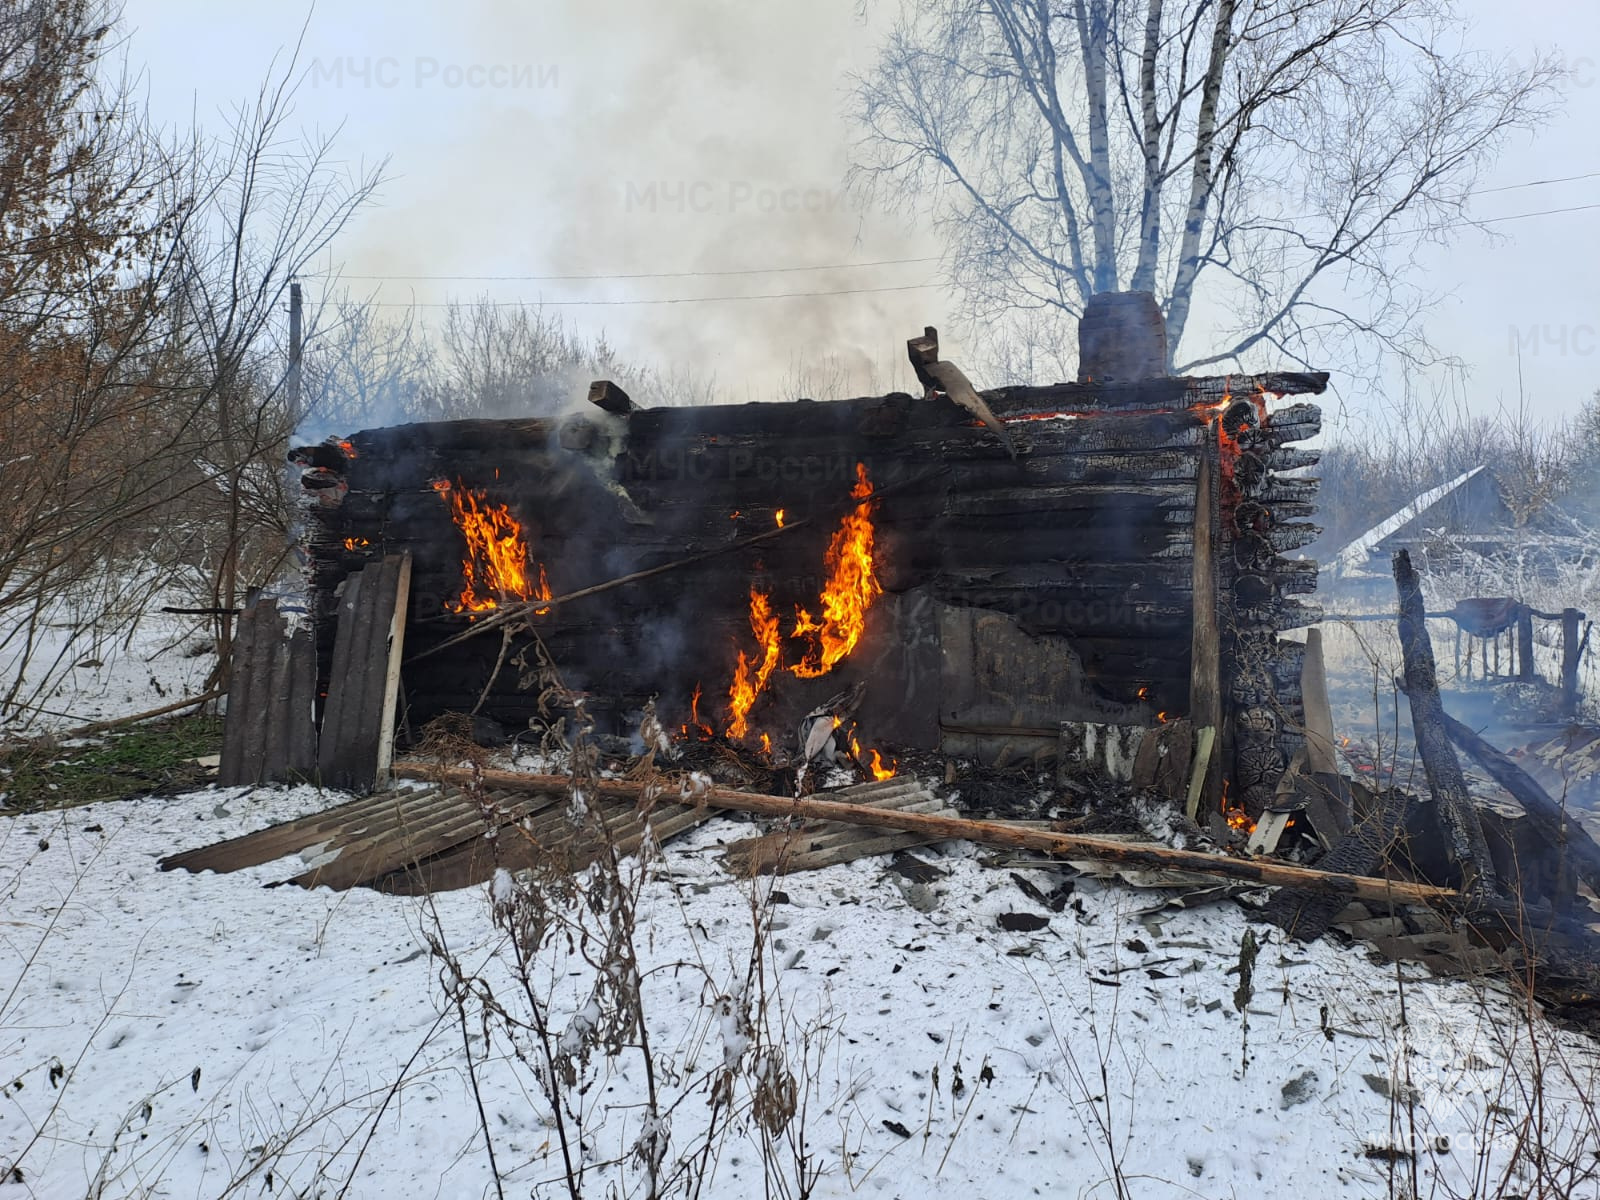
{"x":817,"y":844}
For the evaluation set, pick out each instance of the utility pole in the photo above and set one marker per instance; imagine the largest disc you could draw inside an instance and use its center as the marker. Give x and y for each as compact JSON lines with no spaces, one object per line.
{"x":294,"y":356}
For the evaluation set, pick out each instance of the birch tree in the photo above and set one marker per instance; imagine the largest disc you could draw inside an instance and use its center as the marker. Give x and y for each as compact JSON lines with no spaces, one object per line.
{"x":1268,"y":168}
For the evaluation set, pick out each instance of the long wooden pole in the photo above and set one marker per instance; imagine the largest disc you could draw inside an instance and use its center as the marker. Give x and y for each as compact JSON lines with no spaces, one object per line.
{"x":1439,"y":763}
{"x":993,"y":833}
{"x":1205,"y":647}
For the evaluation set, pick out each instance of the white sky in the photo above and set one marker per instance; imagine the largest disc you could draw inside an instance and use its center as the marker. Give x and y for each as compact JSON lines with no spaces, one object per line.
{"x":740,"y":105}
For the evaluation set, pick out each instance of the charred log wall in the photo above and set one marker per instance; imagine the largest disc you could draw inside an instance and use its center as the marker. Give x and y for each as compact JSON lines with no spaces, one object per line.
{"x":1085,"y":536}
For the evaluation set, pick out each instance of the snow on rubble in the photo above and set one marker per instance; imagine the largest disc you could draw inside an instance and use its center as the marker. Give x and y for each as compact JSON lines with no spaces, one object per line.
{"x":203,"y":1035}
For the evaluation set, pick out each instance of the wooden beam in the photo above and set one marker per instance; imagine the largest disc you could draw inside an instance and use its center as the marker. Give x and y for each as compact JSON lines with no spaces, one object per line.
{"x":924,"y":352}
{"x":1319,"y":712}
{"x":1205,"y":654}
{"x":994,"y":833}
{"x":607,"y":396}
{"x":1466,"y":846}
{"x":391,"y":678}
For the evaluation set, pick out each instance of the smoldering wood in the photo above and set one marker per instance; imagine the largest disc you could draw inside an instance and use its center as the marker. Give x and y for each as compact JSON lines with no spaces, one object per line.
{"x":1561,"y":833}
{"x":1377,"y":837}
{"x":939,"y":828}
{"x":1087,"y":537}
{"x":608,"y":397}
{"x":1447,"y":785}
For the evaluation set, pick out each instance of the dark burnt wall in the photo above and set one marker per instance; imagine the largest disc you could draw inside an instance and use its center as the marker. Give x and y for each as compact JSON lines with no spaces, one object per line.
{"x":1083,"y":540}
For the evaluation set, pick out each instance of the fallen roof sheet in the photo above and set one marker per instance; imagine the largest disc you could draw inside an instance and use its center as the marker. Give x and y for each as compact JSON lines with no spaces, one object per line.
{"x":409,"y":840}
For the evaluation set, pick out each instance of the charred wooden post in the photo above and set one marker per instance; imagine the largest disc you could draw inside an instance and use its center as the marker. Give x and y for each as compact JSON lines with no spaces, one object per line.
{"x":1524,"y":643}
{"x":1459,"y":818}
{"x":1571,"y":654}
{"x":1205,"y":654}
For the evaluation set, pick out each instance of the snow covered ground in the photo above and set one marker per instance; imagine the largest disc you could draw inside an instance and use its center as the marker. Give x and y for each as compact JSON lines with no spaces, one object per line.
{"x":75,"y":673}
{"x":201,"y":1035}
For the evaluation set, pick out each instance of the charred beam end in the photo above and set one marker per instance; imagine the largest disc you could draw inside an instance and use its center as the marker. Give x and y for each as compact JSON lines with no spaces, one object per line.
{"x":1439,"y":763}
{"x":924,"y":352}
{"x":608,"y":397}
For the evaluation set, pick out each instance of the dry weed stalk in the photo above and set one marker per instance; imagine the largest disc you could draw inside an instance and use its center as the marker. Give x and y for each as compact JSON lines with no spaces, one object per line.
{"x":567,"y":999}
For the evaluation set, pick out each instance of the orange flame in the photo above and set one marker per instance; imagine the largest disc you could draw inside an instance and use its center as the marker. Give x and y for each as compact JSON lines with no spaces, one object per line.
{"x":851,"y":588}
{"x":749,"y":678}
{"x":766,"y":743}
{"x":875,"y":767}
{"x":356,"y":543}
{"x":349,"y":449}
{"x":495,"y":566}
{"x":1235,"y":815}
{"x":701,"y":729}
{"x":779,"y":517}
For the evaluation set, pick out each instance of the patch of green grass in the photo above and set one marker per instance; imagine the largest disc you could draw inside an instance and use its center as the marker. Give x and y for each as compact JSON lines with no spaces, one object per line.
{"x":156,"y":757}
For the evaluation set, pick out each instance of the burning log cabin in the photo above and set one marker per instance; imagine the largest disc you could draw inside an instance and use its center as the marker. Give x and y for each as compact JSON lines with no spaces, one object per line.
{"x":983,"y":580}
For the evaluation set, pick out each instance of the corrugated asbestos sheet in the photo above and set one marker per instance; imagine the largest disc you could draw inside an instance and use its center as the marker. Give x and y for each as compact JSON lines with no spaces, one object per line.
{"x":364,"y":676}
{"x":269,"y":736}
{"x":818,"y":844}
{"x":410,"y":841}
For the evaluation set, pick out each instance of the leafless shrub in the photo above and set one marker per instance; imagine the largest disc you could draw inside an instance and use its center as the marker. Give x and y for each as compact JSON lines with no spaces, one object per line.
{"x":568,"y":1004}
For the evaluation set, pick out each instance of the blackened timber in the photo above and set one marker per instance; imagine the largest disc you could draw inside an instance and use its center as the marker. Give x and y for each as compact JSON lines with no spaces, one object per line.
{"x":1205,"y":656}
{"x":1459,"y":818}
{"x":607,"y":396}
{"x":1100,"y":504}
{"x":1558,"y":829}
{"x":1161,"y":393}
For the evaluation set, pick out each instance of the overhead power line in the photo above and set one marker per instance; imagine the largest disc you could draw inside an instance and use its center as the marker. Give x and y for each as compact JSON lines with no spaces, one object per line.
{"x":600,"y":277}
{"x":1511,"y":187}
{"x":883,"y":262}
{"x":909,"y":287}
{"x":1546,"y":212}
